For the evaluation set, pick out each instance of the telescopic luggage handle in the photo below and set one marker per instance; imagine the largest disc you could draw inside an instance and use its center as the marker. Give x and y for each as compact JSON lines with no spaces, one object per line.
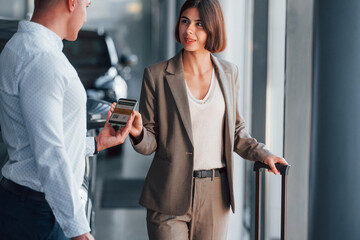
{"x":284,"y":171}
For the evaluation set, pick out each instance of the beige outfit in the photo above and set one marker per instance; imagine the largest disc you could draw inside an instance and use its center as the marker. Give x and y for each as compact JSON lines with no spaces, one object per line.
{"x":164,"y":107}
{"x":207,"y":218}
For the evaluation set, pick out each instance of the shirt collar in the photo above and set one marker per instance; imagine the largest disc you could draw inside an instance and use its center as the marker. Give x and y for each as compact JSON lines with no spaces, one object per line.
{"x":43,"y":32}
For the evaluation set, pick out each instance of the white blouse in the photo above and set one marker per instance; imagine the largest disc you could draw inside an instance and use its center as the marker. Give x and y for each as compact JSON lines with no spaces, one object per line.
{"x":207,"y":122}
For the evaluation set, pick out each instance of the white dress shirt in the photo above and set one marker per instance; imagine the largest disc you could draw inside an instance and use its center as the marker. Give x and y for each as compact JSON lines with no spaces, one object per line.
{"x":43,"y":122}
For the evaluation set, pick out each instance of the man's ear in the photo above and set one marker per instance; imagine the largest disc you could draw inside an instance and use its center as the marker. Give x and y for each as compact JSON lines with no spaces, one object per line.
{"x":71,"y":4}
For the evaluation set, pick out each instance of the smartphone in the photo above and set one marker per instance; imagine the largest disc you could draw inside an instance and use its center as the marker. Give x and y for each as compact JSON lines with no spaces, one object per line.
{"x":122,"y":112}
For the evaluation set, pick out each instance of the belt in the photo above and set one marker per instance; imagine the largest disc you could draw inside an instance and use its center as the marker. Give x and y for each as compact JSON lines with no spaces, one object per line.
{"x":19,"y":190}
{"x":209,"y":173}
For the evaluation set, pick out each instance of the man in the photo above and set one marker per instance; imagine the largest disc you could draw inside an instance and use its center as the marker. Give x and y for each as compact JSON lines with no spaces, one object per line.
{"x":43,"y":121}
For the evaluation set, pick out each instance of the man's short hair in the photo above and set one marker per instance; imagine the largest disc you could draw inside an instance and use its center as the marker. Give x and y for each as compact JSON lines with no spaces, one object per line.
{"x":213,"y":22}
{"x":44,"y":4}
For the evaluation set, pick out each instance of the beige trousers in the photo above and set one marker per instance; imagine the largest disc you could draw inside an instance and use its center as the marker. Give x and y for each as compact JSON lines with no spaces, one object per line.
{"x":207,"y":218}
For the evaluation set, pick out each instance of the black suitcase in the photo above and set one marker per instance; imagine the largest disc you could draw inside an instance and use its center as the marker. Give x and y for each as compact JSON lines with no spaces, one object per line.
{"x":284,"y":171}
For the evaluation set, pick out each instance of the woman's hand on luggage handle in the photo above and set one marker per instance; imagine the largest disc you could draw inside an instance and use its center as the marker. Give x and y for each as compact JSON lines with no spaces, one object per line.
{"x":272,"y":160}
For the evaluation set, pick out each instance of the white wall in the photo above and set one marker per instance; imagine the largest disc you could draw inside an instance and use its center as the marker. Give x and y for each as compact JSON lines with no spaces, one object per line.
{"x":275,"y":98}
{"x":238,"y":17}
{"x":298,"y":112}
{"x":13,"y":9}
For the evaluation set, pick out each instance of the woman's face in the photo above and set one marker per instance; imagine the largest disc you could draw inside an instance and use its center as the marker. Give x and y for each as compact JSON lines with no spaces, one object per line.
{"x":191,"y":32}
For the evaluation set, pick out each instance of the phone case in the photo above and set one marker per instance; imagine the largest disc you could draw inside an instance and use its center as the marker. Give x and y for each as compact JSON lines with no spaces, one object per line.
{"x":120,"y":116}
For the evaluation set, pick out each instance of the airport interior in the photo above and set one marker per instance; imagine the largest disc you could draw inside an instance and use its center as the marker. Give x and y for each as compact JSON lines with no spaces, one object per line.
{"x":299,"y":76}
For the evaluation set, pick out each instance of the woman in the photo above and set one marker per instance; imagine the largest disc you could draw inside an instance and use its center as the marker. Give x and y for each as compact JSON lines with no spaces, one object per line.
{"x":191,"y":121}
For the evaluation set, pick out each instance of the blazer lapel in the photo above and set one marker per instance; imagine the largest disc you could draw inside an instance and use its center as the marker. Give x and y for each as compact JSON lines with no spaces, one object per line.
{"x":224,"y":78}
{"x":175,"y":79}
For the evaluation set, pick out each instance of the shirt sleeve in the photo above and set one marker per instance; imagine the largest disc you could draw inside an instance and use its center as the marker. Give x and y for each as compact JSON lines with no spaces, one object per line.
{"x":245,"y":145}
{"x":90,"y":146}
{"x":41,"y":90}
{"x":147,"y":108}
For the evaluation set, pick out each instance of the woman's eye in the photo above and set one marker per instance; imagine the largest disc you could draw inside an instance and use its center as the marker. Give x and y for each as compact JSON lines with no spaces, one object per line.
{"x":199,"y":24}
{"x":185,"y":21}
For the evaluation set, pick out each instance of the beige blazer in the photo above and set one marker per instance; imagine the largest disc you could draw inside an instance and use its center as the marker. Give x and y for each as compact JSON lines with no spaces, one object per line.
{"x":167,"y":131}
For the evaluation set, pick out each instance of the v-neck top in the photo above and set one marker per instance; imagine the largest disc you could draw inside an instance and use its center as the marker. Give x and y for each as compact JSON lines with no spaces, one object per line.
{"x":208,"y":94}
{"x":207,"y":122}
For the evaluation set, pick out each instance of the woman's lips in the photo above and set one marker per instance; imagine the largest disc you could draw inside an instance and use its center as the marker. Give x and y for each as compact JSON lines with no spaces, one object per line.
{"x":189,"y":40}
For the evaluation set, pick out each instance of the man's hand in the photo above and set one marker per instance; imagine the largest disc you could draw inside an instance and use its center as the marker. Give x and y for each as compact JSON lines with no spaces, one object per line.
{"x":86,"y":236}
{"x":271,"y":160}
{"x":108,"y":137}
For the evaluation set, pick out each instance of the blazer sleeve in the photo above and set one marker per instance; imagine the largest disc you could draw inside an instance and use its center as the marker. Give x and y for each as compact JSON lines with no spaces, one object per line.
{"x":148,"y":110}
{"x":245,"y":145}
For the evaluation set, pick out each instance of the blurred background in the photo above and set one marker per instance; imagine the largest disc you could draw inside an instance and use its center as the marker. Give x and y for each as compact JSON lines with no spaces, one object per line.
{"x":300,"y":85}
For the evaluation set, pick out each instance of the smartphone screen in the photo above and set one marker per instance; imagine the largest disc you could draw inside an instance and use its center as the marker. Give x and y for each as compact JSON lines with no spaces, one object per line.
{"x":122,"y":112}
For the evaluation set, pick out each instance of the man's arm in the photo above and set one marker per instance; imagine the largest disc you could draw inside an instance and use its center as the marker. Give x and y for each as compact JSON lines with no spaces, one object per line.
{"x":41,"y":94}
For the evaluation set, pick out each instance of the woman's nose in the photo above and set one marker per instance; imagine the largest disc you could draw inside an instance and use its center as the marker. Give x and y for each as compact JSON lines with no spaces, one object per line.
{"x":190,"y":29}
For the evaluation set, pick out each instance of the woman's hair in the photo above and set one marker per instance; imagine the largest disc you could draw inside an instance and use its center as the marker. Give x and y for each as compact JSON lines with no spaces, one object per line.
{"x":213,"y":22}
